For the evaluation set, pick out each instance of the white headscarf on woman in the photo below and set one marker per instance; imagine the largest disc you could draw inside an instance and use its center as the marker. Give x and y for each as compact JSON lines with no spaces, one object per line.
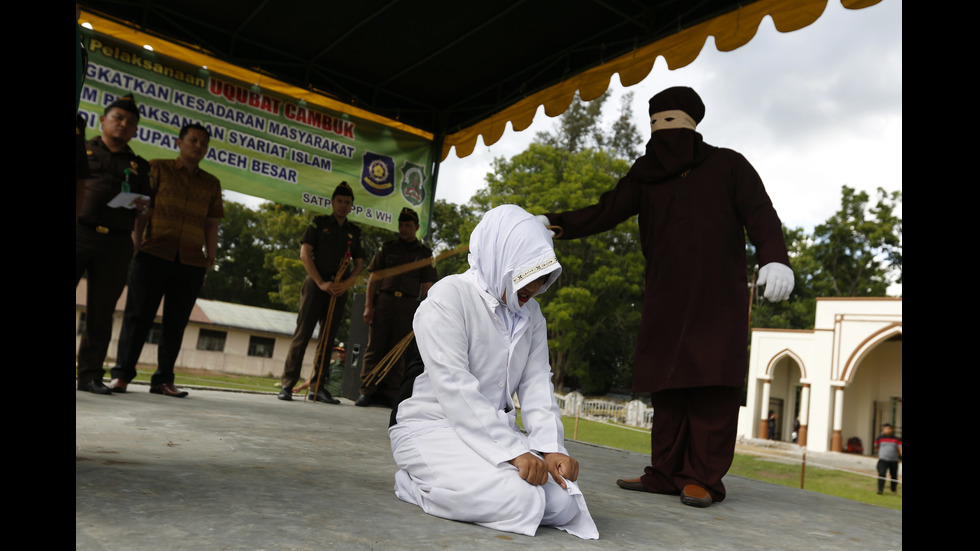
{"x":509,"y":249}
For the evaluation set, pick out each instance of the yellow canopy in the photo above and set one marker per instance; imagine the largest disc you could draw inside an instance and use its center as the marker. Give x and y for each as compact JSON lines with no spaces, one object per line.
{"x":433,"y":69}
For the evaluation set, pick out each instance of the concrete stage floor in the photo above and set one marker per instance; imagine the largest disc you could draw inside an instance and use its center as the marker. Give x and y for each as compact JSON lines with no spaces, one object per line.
{"x":225,"y":470}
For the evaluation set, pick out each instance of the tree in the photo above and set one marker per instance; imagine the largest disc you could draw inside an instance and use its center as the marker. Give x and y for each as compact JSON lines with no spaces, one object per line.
{"x":240,"y":274}
{"x":580,"y":128}
{"x":859,"y":248}
{"x":857,"y":252}
{"x":451,"y":227}
{"x":798,"y":310}
{"x":282,"y":228}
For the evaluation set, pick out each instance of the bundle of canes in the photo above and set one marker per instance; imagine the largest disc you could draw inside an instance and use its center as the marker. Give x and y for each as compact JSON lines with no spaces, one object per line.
{"x":390,"y":359}
{"x":322,"y":344}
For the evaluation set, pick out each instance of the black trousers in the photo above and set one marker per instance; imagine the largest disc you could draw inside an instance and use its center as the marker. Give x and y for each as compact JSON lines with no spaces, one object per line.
{"x":692,"y":440}
{"x":887,"y":467}
{"x":313,"y":306}
{"x":150,"y":280}
{"x":392,"y":322}
{"x":105,"y":257}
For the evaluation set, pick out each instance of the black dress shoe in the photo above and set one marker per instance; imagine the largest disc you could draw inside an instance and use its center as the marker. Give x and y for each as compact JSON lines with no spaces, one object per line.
{"x":95,"y":386}
{"x":117,"y":385}
{"x":167,"y":389}
{"x":323,"y":396}
{"x":363,"y":401}
{"x":286,"y":394}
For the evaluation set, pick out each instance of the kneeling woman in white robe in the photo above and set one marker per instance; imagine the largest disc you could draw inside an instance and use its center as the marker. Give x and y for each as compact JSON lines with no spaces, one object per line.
{"x":481,"y":338}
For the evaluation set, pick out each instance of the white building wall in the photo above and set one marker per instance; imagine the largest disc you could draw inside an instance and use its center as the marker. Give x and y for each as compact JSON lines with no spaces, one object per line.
{"x":234,"y":360}
{"x":849,"y":344}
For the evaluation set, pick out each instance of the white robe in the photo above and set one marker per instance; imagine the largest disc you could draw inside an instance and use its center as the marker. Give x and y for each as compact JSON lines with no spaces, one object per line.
{"x":455,"y":435}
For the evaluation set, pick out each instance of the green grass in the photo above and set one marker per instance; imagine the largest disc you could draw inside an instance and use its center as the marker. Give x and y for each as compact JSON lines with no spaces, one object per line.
{"x":826,"y":481}
{"x":606,"y":434}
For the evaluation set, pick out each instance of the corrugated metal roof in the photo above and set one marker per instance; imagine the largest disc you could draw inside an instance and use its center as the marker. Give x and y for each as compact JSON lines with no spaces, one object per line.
{"x":249,"y":318}
{"x":224,"y":314}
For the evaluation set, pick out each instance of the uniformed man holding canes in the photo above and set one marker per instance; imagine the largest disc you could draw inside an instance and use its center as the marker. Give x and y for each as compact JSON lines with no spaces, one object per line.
{"x":327,"y":242}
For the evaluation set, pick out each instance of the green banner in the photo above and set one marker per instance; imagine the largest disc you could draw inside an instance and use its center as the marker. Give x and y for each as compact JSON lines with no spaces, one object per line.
{"x":263,"y":144}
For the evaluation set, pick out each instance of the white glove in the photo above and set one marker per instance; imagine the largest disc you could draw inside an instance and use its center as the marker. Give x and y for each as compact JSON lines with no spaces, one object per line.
{"x":544,"y":220}
{"x":778,"y":279}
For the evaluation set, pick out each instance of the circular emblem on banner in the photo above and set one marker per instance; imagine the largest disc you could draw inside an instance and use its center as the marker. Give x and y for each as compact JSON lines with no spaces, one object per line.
{"x":413,"y":188}
{"x":377,"y":174}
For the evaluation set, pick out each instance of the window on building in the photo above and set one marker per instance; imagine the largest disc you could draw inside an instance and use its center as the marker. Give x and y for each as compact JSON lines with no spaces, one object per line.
{"x":211,"y":340}
{"x":81,"y":324}
{"x":261,"y":346}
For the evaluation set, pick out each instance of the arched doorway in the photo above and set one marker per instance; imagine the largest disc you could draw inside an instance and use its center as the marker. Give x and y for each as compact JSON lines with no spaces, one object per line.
{"x":786,"y":398}
{"x":873,"y":389}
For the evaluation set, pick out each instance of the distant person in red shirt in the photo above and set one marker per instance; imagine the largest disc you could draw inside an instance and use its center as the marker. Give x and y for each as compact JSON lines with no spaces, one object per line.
{"x":889,"y":448}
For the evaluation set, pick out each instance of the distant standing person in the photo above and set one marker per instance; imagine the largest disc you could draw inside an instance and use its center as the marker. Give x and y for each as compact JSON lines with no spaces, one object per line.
{"x":176,"y":248}
{"x":104,"y":234}
{"x":772,"y":424}
{"x":327,"y":242}
{"x":337,"y":363}
{"x":390,"y":304}
{"x":889,"y":449}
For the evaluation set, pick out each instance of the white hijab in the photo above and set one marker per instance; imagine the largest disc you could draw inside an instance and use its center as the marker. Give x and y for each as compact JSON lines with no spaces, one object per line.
{"x":510,"y":248}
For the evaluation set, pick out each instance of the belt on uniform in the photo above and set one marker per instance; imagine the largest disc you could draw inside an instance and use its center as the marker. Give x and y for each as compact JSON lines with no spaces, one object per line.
{"x":104,"y":229}
{"x":398,"y":294}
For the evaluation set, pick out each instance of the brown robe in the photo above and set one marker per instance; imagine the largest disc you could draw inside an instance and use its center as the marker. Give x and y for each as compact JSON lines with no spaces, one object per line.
{"x":693,"y":332}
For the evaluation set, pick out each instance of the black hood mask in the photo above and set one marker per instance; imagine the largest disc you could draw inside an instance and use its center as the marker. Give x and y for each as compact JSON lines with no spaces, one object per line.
{"x":674,"y":145}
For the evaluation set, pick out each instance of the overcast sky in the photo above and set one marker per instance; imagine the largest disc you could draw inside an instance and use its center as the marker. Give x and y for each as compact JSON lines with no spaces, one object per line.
{"x":812,"y":110}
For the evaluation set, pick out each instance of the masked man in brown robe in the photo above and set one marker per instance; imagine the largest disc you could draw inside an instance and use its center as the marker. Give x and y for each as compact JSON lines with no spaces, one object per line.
{"x":695,"y":202}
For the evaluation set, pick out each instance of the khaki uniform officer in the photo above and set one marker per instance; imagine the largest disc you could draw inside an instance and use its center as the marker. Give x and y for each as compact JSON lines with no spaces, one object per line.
{"x":326,"y":243}
{"x":390,"y":304}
